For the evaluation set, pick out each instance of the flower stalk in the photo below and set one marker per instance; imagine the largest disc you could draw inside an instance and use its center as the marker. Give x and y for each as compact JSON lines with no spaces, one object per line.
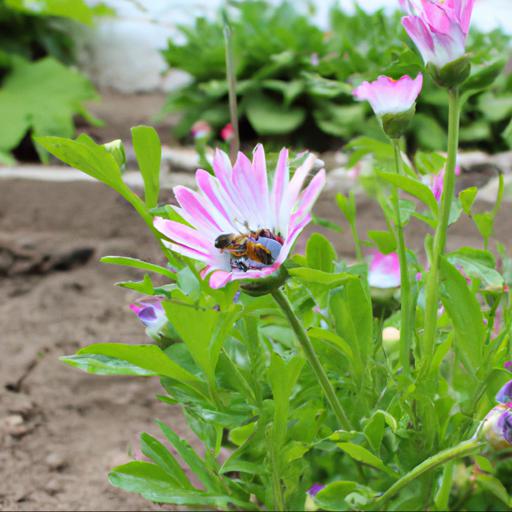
{"x":461,"y":450}
{"x":234,"y":142}
{"x":312,"y":358}
{"x":406,"y":327}
{"x":432,"y":285}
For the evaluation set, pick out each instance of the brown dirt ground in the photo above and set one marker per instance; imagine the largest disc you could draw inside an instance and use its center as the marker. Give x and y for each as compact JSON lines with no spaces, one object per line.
{"x":61,"y":429}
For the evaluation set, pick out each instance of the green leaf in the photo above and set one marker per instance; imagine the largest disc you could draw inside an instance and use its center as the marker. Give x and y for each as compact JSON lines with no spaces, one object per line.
{"x":384,"y":240}
{"x":374,"y":428}
{"x":484,"y":464}
{"x":88,"y":157}
{"x":361,"y":454}
{"x":283,"y":377}
{"x":320,"y":253}
{"x":203,"y":331}
{"x":347,"y":205}
{"x":145,"y":287}
{"x":158,"y":453}
{"x":478,"y":264}
{"x":465,"y":314}
{"x":467,"y":198}
{"x":269,"y":117}
{"x":136,"y":263}
{"x":76,"y":10}
{"x":41,"y":97}
{"x":495,"y":487}
{"x":147,"y":357}
{"x":351,"y":310}
{"x":413,"y":187}
{"x":333,"y":339}
{"x":332,"y":496}
{"x":103,"y":365}
{"x":310,"y":275}
{"x":429,"y":163}
{"x":485,"y":224}
{"x":148,"y":151}
{"x":192,"y":459}
{"x":154,"y":484}
{"x":320,"y":87}
{"x":484,"y":77}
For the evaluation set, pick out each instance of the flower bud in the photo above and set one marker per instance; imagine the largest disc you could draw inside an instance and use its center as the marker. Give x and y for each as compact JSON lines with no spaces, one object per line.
{"x":497,"y":427}
{"x":310,"y":505}
{"x":452,"y":74}
{"x":116,"y":149}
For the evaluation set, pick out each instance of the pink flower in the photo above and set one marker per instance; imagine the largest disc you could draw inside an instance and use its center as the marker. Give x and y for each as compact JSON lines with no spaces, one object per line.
{"x":384,"y":271}
{"x":389,"y":96}
{"x":436,"y":181}
{"x":227,"y":133}
{"x":200,"y":130}
{"x":438,"y":28}
{"x":238,"y":202}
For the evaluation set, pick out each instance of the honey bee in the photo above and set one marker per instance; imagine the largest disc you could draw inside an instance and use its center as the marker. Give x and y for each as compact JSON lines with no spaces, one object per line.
{"x":258,"y":247}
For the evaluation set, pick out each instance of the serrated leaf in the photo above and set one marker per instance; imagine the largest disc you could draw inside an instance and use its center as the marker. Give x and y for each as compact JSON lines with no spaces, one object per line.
{"x":42,"y":97}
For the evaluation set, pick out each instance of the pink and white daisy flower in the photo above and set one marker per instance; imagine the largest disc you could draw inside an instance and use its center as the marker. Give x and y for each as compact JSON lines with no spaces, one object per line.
{"x":389,"y":96}
{"x":438,"y":28}
{"x":384,"y":270}
{"x":239,"y":201}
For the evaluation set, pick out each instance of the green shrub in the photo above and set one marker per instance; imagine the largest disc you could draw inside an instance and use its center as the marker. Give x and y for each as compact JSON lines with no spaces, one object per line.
{"x":39,"y":94}
{"x":288,"y":69}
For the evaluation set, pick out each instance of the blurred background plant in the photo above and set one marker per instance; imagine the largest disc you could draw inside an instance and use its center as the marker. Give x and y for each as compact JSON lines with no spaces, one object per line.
{"x":295,"y":81}
{"x":40,"y":92}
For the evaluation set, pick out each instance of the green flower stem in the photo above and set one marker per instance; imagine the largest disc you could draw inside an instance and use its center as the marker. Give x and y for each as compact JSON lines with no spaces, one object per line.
{"x":312,"y":358}
{"x":357,"y":242}
{"x":432,"y":285}
{"x":406,"y":327}
{"x":461,"y":450}
{"x":231,"y":79}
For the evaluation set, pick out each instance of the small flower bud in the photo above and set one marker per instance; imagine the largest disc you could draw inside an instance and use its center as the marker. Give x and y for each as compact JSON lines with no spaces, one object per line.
{"x":452,"y":74}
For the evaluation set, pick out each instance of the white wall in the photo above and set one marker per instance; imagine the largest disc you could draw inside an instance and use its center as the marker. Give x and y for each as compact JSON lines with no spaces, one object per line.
{"x":123,"y":52}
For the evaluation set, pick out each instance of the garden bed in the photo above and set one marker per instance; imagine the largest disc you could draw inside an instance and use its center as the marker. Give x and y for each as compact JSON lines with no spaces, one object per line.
{"x":61,"y":430}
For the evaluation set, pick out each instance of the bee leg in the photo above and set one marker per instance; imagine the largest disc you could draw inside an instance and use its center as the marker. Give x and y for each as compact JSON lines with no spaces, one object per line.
{"x":240,"y":265}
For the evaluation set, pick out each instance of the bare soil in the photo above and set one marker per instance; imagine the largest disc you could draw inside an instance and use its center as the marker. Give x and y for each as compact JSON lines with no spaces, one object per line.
{"x":61,"y":430}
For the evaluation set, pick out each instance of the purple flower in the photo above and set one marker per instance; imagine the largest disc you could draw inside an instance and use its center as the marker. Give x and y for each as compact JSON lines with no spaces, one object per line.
{"x":150,"y":312}
{"x":389,"y":96}
{"x":315,"y":489}
{"x":504,"y":395}
{"x":384,"y":270}
{"x":237,"y":210}
{"x":508,"y":366}
{"x":497,"y":427}
{"x":438,"y":28}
